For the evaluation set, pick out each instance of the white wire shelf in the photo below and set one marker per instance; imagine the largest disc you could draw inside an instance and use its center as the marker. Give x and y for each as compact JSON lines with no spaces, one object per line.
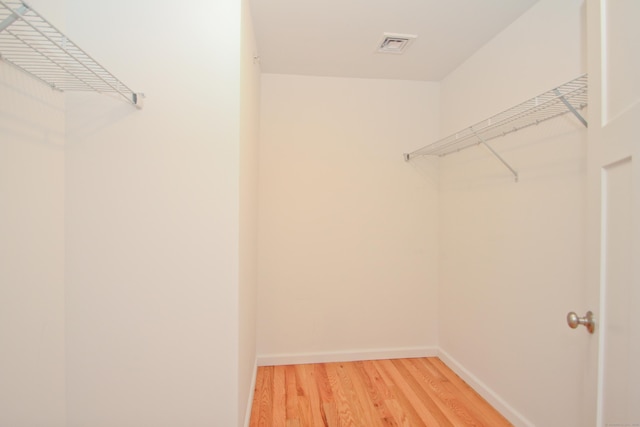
{"x":31,"y":43}
{"x":571,"y":97}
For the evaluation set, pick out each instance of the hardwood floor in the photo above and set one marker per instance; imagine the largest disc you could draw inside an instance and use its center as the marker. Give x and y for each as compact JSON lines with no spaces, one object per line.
{"x":399,"y":392}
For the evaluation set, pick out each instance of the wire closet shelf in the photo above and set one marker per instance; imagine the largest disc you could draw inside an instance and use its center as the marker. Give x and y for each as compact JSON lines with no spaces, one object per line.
{"x":31,"y":43}
{"x":571,"y":97}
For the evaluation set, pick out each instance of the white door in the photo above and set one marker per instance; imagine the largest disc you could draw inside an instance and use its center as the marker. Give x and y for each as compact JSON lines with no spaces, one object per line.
{"x":612,"y":382}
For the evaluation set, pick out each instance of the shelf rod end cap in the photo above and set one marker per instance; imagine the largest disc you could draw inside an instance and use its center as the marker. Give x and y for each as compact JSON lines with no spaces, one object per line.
{"x":138,"y":100}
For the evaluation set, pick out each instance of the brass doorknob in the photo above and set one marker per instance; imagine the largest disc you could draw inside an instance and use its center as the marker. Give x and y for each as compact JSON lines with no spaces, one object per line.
{"x":573,"y":320}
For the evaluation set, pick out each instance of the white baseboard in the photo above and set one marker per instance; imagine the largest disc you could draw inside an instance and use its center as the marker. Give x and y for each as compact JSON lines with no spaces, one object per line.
{"x":345,"y":356}
{"x":252,"y":390}
{"x":515,"y":417}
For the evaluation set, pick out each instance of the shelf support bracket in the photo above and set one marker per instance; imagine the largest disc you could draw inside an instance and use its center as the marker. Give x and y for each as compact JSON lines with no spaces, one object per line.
{"x":13,"y":17}
{"x":503,"y":161}
{"x":571,"y":108}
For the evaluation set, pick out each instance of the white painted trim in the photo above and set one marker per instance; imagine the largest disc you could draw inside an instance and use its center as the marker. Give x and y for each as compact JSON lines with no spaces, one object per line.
{"x":247,"y":415}
{"x":345,"y":356}
{"x":515,"y":417}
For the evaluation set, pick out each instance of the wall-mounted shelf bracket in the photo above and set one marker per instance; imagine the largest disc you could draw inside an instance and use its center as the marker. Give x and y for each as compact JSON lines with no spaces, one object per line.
{"x":571,"y":97}
{"x":32,"y":44}
{"x":499,"y":157}
{"x":13,"y":17}
{"x":571,"y":108}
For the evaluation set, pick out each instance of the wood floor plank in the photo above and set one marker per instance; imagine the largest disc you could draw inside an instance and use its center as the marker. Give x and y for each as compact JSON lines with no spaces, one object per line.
{"x":346,"y":417}
{"x":354,"y":398}
{"x":473,"y":400}
{"x":377,"y":399}
{"x":399,"y":416}
{"x":304,"y":405}
{"x":381,"y":393}
{"x":293,"y":413}
{"x":465,"y":408}
{"x":369,"y":367}
{"x":279,"y":412}
{"x":406,"y":396}
{"x":264,"y":398}
{"x":327,"y":403}
{"x":375,"y":413}
{"x":432,"y":405}
{"x":314,"y":396}
{"x":447,"y":401}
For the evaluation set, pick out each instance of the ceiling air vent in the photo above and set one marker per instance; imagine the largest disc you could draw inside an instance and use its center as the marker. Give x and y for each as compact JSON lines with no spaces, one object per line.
{"x":395,"y":43}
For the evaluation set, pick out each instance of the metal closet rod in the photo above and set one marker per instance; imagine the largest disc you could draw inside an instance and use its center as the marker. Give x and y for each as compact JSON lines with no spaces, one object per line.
{"x":570,"y":97}
{"x":31,"y":43}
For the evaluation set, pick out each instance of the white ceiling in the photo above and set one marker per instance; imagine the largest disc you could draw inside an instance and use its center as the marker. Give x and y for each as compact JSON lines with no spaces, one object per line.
{"x":339,"y":37}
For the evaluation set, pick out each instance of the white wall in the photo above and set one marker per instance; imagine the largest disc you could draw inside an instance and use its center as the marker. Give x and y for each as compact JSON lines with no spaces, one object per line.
{"x":32,"y":377}
{"x":158,"y":207}
{"x":31,"y":252}
{"x":152,"y":298}
{"x":512,"y":255}
{"x":348,"y":230}
{"x":161,"y":225}
{"x":248,"y":232}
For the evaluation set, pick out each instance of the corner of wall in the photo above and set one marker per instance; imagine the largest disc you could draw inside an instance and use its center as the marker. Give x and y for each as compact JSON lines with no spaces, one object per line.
{"x":497,"y":401}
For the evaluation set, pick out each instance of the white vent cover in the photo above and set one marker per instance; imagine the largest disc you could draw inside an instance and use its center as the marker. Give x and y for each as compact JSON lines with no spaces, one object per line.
{"x":395,"y":43}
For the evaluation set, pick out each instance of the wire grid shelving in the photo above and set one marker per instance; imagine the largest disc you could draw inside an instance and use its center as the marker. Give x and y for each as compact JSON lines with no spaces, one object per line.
{"x":31,"y":43}
{"x":570,"y":97}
